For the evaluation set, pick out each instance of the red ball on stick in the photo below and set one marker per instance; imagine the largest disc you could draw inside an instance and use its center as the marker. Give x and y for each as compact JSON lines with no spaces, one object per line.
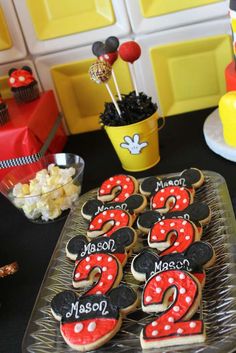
{"x":129,"y":51}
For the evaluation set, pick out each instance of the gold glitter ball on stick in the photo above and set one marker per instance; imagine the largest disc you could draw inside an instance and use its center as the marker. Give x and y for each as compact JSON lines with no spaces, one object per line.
{"x":100,"y":71}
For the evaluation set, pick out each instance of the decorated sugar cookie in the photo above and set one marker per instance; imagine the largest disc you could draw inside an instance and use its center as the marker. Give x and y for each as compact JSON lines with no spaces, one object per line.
{"x":191,"y":179}
{"x":117,"y":188}
{"x":198,"y":212}
{"x":195,"y":259}
{"x":174,"y":325}
{"x":88,"y":322}
{"x":172,"y":235}
{"x":133,"y":205}
{"x":118,"y":244}
{"x":107,"y":222}
{"x":171,"y":199}
{"x":103,"y":271}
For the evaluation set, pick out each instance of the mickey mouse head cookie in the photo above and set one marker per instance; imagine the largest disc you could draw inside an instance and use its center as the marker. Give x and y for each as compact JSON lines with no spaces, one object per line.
{"x":88,"y":322}
{"x":190,"y":179}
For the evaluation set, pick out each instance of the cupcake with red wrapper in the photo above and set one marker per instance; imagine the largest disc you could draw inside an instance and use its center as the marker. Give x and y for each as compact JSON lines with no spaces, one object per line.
{"x":23,"y":84}
{"x":4,"y":116}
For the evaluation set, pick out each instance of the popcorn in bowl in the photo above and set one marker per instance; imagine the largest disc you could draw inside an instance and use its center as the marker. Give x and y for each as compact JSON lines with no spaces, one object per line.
{"x":48,"y":194}
{"x":46,"y":189}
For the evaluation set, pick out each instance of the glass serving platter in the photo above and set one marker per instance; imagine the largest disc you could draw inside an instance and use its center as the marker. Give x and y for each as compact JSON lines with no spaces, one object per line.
{"x":218,"y":307}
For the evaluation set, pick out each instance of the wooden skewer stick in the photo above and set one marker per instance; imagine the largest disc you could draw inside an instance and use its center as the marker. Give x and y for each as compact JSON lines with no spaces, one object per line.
{"x":133,"y":78}
{"x":116,"y":85}
{"x":113,"y":99}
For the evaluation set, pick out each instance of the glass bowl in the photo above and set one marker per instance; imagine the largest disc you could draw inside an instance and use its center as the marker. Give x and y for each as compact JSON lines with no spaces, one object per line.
{"x":45,"y":190}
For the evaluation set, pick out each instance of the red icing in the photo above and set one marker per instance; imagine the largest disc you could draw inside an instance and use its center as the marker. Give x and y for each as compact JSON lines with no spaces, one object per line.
{"x":116,"y":218}
{"x":110,"y":58}
{"x":178,"y":232}
{"x":108,"y":267}
{"x":20,"y":78}
{"x":103,"y":326}
{"x":169,"y":324}
{"x":177,"y":197}
{"x":125,"y":184}
{"x":130,"y":51}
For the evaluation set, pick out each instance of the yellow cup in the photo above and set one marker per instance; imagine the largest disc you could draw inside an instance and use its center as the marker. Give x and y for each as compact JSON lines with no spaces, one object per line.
{"x":227,"y":112}
{"x":136,"y":145}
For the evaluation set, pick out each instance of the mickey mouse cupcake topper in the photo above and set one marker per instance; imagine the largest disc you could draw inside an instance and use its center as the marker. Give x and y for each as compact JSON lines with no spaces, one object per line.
{"x":23,"y":84}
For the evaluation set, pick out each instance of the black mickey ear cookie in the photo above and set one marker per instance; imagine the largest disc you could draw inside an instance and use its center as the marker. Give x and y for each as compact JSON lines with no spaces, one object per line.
{"x":61,"y":303}
{"x":143,"y":264}
{"x":136,"y":203}
{"x":124,"y":237}
{"x":90,"y":207}
{"x":201,"y":253}
{"x":194,"y":177}
{"x":148,"y":185}
{"x":75,"y":246}
{"x":199,"y":211}
{"x":124,"y":298}
{"x":147,"y":219}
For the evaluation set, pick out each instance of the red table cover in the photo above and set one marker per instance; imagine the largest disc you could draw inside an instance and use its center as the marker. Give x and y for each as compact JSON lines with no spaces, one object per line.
{"x":29,"y":126}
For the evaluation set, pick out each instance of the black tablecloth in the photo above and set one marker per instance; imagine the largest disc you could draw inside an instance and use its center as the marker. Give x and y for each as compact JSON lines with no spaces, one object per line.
{"x":182,"y":145}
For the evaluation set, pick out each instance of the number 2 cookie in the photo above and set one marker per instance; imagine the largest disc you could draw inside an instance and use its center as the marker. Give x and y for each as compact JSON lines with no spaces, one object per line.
{"x":173,"y":326}
{"x":117,"y":188}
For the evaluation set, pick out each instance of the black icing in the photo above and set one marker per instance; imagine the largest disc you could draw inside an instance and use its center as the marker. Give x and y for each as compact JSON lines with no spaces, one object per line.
{"x":93,"y":207}
{"x":192,"y":260}
{"x":116,"y":243}
{"x":72,"y":308}
{"x":192,"y":175}
{"x":123,"y":296}
{"x":83,"y":308}
{"x":61,"y":303}
{"x":148,"y":218}
{"x":188,"y":178}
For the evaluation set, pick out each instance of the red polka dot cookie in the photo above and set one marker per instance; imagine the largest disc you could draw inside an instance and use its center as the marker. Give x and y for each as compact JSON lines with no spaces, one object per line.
{"x":172,"y":235}
{"x":171,"y":199}
{"x":117,"y":188}
{"x":174,"y":325}
{"x":107,"y":222}
{"x":105,"y":268}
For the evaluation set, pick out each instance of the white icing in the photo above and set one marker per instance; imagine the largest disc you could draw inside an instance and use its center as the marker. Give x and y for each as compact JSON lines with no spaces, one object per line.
{"x":188,"y":299}
{"x":78,"y":327}
{"x":167,"y":327}
{"x":154,"y":333}
{"x":158,"y":290}
{"x":180,"y":330}
{"x":171,"y":280}
{"x":110,"y":277}
{"x":148,"y":299}
{"x":182,"y":290}
{"x":158,"y":278}
{"x":176,"y":308}
{"x":192,"y":324}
